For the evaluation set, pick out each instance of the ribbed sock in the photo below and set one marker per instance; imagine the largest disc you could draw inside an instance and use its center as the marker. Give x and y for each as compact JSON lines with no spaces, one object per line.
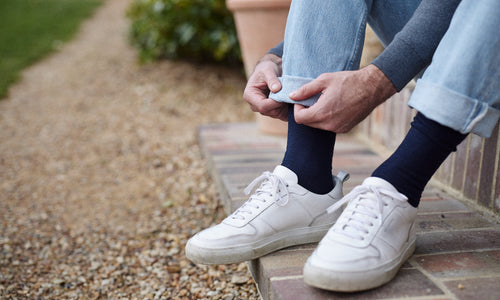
{"x":415,"y":161}
{"x":309,"y":154}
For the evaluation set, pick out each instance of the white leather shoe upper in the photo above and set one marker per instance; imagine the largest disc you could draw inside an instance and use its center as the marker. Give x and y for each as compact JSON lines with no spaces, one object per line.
{"x":280,"y":213}
{"x":279,"y":204}
{"x":372,"y":230}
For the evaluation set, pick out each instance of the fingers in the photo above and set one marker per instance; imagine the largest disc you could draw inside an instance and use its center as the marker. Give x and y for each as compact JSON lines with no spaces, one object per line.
{"x":312,"y":117}
{"x":272,"y":82}
{"x":308,"y":116}
{"x":308,"y":90}
{"x":260,"y":103}
{"x":280,"y":112}
{"x":303,"y":114}
{"x":271,"y":79}
{"x":261,"y":82}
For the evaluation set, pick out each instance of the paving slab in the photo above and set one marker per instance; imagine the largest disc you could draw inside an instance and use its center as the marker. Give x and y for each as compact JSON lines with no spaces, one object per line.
{"x":458,"y":248}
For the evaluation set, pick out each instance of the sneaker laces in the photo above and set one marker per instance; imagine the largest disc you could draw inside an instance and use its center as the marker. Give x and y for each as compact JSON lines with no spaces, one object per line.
{"x":272,"y":186}
{"x":365,"y":208}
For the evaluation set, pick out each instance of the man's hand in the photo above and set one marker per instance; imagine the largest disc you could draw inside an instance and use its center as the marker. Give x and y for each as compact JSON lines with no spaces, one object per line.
{"x":346,"y":99}
{"x":263,"y":80}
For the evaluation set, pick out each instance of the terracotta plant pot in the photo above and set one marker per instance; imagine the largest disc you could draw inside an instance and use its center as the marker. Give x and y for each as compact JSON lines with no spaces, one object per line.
{"x":261,"y":26}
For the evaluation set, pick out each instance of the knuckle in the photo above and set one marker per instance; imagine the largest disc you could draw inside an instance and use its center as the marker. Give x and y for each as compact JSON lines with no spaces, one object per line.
{"x":324,"y":77}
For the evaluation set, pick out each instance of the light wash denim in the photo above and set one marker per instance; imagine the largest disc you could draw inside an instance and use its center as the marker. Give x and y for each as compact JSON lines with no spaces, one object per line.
{"x":460,"y":89}
{"x":328,"y":36}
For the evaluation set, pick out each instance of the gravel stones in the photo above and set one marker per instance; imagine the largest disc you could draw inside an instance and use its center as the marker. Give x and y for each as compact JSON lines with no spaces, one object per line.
{"x":101,"y":177}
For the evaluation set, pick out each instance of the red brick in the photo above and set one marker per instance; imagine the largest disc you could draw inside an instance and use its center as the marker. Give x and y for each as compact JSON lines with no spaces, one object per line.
{"x":450,"y":262}
{"x":438,"y":242}
{"x":487,"y":177}
{"x":473,"y":164}
{"x":441,"y":205}
{"x":496,"y":254}
{"x":445,"y":225}
{"x":459,"y":166}
{"x":451,"y":221}
{"x":444,"y":173}
{"x":407,"y":283}
{"x":496,"y":197}
{"x":476,"y":288}
{"x":287,"y":262}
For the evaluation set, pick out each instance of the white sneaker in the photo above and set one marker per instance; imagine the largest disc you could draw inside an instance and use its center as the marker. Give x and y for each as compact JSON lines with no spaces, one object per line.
{"x":370,"y":241}
{"x":279,"y":214}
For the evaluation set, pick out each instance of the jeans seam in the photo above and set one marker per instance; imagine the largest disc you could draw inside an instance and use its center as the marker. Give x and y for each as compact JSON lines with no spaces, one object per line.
{"x":475,"y":112}
{"x":357,"y":48}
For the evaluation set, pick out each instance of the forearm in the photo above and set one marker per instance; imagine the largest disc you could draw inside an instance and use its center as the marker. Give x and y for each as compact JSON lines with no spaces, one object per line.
{"x":412,"y":48}
{"x":377,"y":84}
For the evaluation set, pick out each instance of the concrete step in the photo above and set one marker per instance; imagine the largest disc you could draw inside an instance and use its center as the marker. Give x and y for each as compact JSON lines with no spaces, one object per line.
{"x":458,"y":249}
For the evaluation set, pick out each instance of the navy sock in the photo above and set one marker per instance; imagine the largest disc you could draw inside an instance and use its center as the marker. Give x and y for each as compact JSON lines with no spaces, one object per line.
{"x":422,"y":151}
{"x":309,"y":153}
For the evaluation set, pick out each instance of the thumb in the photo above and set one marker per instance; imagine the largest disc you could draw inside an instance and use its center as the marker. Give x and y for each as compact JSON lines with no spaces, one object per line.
{"x":273,"y":83}
{"x":306,"y":91}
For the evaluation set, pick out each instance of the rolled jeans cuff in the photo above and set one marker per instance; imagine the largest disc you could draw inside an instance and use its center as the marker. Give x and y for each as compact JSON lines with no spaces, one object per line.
{"x":453,"y":109}
{"x":290,"y":84}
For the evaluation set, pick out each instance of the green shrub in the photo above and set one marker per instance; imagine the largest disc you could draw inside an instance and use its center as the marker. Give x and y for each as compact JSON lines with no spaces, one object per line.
{"x":202,"y":30}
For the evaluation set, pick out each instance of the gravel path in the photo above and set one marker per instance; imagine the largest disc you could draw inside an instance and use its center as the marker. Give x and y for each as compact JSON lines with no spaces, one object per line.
{"x":101,"y":177}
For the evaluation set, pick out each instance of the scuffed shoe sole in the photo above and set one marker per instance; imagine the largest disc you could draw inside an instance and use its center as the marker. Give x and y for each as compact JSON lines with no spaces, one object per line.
{"x":241,"y":253}
{"x":342,"y":281}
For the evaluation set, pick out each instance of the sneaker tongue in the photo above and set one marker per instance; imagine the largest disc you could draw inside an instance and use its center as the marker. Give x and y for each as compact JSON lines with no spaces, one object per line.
{"x":286,"y":174}
{"x":379,"y":182}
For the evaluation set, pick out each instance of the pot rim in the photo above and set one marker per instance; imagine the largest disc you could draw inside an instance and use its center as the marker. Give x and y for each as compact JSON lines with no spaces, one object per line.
{"x":256,"y":4}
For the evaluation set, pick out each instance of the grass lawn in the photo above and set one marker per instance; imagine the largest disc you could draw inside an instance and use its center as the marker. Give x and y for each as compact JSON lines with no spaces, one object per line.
{"x":29,"y":29}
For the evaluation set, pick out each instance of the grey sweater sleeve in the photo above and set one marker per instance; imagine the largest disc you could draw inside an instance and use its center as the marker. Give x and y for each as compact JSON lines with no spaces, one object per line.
{"x":412,"y":48}
{"x":278,"y":50}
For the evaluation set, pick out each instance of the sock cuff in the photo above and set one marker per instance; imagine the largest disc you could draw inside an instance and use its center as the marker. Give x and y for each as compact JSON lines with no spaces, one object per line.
{"x":437,"y":133}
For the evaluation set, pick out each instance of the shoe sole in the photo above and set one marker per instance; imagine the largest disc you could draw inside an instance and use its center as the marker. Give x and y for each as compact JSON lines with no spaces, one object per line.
{"x":245,"y":252}
{"x":342,"y":281}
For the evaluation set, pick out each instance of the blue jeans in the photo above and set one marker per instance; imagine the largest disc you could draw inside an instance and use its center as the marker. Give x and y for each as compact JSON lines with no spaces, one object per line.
{"x":460,"y":89}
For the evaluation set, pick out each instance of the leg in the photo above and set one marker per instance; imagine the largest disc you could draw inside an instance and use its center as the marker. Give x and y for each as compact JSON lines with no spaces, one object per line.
{"x":376,"y":232}
{"x":388,"y":17}
{"x":321,"y":37}
{"x":342,"y":24}
{"x":328,"y":36}
{"x":288,"y":209}
{"x":457,"y":94}
{"x":460,"y":89}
